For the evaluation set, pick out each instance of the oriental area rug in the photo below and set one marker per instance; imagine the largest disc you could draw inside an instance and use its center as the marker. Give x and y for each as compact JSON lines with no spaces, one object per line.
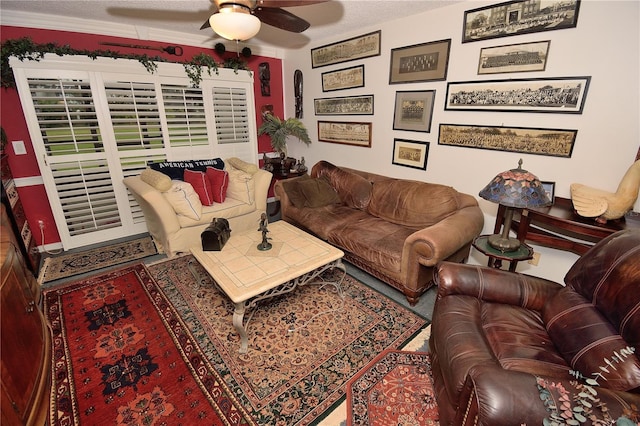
{"x":396,"y":388}
{"x":155,"y":345}
{"x":70,"y":264}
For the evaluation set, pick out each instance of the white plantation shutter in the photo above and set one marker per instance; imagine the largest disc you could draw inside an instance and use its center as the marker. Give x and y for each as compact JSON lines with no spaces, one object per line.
{"x":186,"y":117}
{"x":92,"y":124}
{"x":231,"y":115}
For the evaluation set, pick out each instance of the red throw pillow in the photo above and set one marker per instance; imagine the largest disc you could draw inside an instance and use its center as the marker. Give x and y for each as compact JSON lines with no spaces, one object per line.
{"x":201,"y":185}
{"x":219,"y":180}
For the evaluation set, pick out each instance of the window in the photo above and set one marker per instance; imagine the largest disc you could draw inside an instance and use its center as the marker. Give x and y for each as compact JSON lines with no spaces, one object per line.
{"x":93,"y":123}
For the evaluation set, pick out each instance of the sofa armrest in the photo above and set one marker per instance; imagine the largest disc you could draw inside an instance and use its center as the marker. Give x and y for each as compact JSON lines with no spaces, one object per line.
{"x":160,"y":217}
{"x":493,"y":285}
{"x":262,"y":182}
{"x":495,"y":396}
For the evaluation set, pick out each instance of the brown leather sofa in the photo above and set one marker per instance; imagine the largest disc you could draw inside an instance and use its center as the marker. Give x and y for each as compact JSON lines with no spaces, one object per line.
{"x":501,"y":341}
{"x":395,"y":229}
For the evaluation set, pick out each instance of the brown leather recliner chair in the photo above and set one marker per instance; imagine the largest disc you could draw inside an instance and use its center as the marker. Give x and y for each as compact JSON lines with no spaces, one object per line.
{"x":502,"y":343}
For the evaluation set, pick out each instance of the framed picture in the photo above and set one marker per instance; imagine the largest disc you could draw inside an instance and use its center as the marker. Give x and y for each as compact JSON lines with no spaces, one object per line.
{"x":346,"y":105}
{"x":410,"y":153}
{"x":565,"y":95}
{"x":519,"y":17}
{"x":359,"y":47}
{"x":348,"y":133}
{"x":528,"y":140}
{"x":550,"y":189}
{"x":346,"y":78}
{"x":413,"y":110}
{"x":420,"y":62}
{"x":521,"y":57}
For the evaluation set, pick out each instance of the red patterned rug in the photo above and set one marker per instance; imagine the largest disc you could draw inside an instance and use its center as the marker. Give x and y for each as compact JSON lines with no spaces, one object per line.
{"x":141,"y":346}
{"x":396,"y":388}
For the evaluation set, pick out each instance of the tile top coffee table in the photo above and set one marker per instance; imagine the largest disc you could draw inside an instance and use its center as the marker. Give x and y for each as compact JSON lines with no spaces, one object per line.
{"x":248,"y":275}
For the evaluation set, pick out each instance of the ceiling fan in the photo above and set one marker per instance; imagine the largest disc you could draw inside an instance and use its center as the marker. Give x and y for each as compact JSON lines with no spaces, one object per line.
{"x":241,"y":19}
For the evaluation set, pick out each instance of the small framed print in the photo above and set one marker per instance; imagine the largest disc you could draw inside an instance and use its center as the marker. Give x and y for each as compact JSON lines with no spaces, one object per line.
{"x":359,"y":47}
{"x":410,"y":153}
{"x":550,"y":189}
{"x":346,"y":78}
{"x":345,"y":105}
{"x":420,"y":62}
{"x":413,"y":110}
{"x":343,"y":132}
{"x":521,"y":57}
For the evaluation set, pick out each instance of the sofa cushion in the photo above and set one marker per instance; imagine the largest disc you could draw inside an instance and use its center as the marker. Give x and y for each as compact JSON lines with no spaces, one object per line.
{"x":201,"y":185}
{"x":412,"y":203}
{"x":241,"y":186}
{"x":353,"y":190}
{"x":294,"y":191}
{"x":175,"y":169}
{"x":219,"y":180}
{"x":318,"y":193}
{"x":242,"y":165}
{"x":589,"y":342}
{"x":158,"y":180}
{"x":184,"y":200}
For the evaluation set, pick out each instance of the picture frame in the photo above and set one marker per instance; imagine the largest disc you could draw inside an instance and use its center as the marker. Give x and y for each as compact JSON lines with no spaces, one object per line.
{"x":550,"y":189}
{"x":345,"y":78}
{"x":518,"y":17}
{"x":347,"y":133}
{"x":527,"y":140}
{"x":344,"y":105}
{"x":359,"y":47}
{"x":563,"y":95}
{"x":413,"y":110}
{"x":420,"y":62}
{"x":410,"y":153}
{"x":519,"y":57}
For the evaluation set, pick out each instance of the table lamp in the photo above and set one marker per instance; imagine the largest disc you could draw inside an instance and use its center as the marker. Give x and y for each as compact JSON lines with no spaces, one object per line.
{"x":515,"y":188}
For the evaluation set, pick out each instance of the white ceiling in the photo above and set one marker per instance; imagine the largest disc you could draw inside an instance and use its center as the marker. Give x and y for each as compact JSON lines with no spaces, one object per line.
{"x":327,"y":20}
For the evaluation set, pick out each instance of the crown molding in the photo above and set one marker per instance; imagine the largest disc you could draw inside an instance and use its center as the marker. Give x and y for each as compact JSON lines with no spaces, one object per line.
{"x":113,"y":29}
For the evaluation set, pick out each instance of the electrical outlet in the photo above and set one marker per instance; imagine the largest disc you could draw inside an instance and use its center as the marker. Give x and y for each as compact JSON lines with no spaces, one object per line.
{"x":41,"y":224}
{"x":535,"y":259}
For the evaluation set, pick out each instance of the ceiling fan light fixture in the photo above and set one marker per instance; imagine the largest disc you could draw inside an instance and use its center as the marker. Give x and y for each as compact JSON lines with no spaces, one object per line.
{"x":234,"y":22}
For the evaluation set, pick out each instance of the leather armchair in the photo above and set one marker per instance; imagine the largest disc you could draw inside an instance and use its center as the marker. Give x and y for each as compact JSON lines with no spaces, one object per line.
{"x":499,"y":340}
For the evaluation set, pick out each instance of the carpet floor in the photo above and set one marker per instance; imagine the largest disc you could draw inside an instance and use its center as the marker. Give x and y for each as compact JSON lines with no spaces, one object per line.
{"x":71,"y":264}
{"x":156,"y":344}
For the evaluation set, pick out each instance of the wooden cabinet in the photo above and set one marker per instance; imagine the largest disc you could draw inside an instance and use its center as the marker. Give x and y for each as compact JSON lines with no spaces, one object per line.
{"x":25,"y":358}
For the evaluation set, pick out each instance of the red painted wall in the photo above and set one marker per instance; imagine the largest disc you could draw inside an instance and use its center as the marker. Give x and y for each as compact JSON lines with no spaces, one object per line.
{"x":34,"y":198}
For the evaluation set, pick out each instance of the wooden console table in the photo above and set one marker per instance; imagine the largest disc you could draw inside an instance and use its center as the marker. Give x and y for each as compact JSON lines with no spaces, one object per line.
{"x":560,"y":227}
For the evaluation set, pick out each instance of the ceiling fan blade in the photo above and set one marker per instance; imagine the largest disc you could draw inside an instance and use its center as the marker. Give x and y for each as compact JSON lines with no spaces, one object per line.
{"x":282,"y":19}
{"x":205,"y":25}
{"x":287,"y":3}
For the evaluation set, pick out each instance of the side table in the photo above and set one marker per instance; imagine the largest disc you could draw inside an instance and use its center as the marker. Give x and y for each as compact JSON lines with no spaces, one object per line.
{"x":524,"y":252}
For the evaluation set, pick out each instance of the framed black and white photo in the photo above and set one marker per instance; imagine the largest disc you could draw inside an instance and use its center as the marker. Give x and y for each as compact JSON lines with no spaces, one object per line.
{"x":359,"y":47}
{"x":521,"y":57}
{"x":550,"y":189}
{"x":527,"y":140}
{"x":564,"y":95}
{"x":410,"y":153}
{"x":420,"y":62}
{"x":345,"y":105}
{"x":346,"y":78}
{"x":347,"y":133}
{"x":413,"y":110}
{"x":519,"y":17}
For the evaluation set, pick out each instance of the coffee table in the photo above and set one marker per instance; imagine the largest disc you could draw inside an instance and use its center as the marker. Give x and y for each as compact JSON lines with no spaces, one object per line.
{"x":248,"y":275}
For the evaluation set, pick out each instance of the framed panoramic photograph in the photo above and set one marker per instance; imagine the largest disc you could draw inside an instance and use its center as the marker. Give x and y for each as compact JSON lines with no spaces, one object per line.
{"x":519,"y":17}
{"x":413,"y":110}
{"x":348,"y":133}
{"x":527,"y":140}
{"x":564,"y":95}
{"x":410,"y":153}
{"x":346,"y":78}
{"x":420,"y":62}
{"x":521,"y":57}
{"x":345,"y":105}
{"x":359,"y":47}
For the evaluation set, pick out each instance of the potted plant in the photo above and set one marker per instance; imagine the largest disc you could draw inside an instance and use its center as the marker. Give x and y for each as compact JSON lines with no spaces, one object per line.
{"x":279,"y":129}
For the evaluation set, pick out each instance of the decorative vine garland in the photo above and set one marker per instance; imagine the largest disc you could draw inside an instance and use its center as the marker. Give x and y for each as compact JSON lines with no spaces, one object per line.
{"x":25,"y":48}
